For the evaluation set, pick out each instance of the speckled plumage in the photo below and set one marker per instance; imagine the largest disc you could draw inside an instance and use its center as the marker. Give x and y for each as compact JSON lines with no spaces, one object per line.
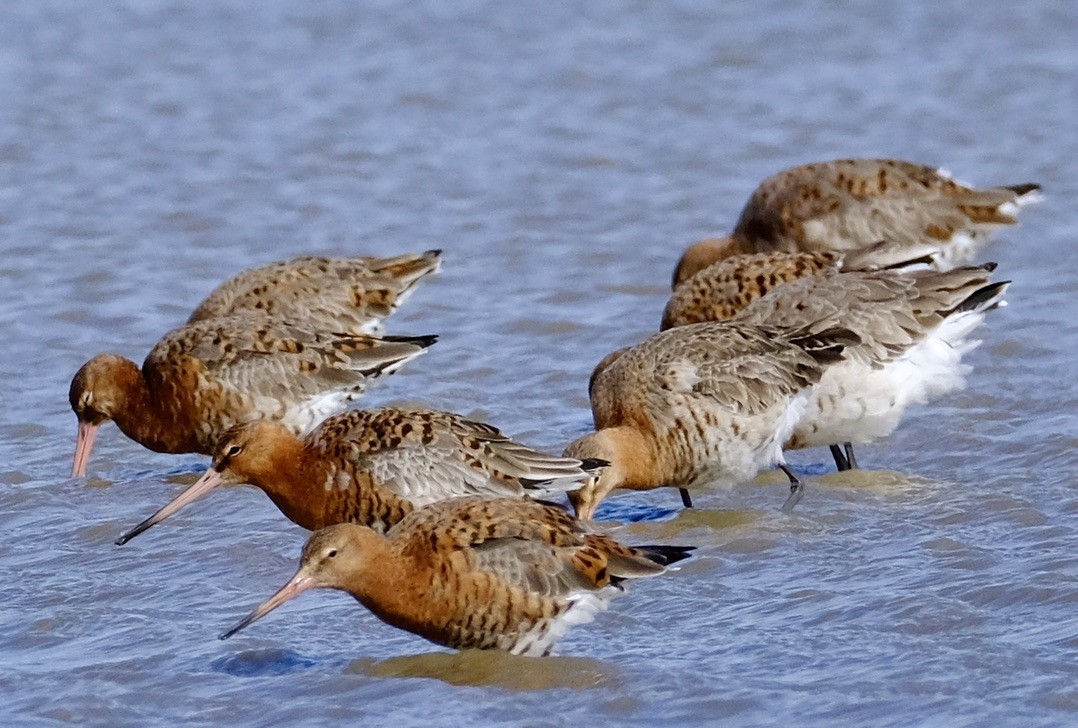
{"x":373,"y":467}
{"x":707,"y":403}
{"x":727,"y":286}
{"x":203,"y":378}
{"x":473,"y":573}
{"x":352,"y":295}
{"x":724,"y":288}
{"x":847,"y":204}
{"x":913,"y":329}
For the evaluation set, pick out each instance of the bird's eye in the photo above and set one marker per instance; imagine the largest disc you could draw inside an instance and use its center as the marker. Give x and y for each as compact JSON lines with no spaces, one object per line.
{"x":234,"y":451}
{"x":331,"y":553}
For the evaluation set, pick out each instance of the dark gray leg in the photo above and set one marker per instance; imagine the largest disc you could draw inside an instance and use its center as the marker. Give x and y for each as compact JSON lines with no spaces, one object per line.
{"x":840,"y":459}
{"x":685,"y":499}
{"x":850,"y":459}
{"x":796,"y":489}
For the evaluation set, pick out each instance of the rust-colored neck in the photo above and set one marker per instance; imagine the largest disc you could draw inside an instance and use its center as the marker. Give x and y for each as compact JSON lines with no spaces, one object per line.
{"x":293,"y":480}
{"x":154,"y":419}
{"x":633,"y":464}
{"x":632,"y":458}
{"x":316,"y":489}
{"x":390,"y":583}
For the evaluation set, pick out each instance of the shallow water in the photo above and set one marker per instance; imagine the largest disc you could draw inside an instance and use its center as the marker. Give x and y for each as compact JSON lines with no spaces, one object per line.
{"x":562,"y":154}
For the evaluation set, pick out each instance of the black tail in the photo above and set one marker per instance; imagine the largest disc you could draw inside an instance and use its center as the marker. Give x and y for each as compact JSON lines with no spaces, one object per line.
{"x":983,"y":297}
{"x":1023,"y":189}
{"x":422,"y":341}
{"x":665,"y":555}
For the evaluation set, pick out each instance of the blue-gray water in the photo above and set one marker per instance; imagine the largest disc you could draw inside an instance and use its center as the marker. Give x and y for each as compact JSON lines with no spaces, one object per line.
{"x":562,"y":154}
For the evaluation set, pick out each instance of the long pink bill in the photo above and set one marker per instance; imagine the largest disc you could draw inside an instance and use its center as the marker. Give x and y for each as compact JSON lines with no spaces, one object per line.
{"x":209,"y":480}
{"x":83,"y":445}
{"x":298,"y":584}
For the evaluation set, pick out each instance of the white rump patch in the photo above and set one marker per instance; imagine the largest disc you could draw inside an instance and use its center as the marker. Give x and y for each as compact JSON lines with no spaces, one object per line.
{"x":855,"y":403}
{"x":583,"y":606}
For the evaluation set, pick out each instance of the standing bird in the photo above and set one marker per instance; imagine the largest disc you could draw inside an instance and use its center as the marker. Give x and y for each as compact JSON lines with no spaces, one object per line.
{"x":912,"y":326}
{"x":847,"y":204}
{"x":508,"y":574}
{"x":709,"y":403}
{"x":373,"y":467}
{"x":914,"y":330}
{"x":352,"y":295}
{"x":203,"y":378}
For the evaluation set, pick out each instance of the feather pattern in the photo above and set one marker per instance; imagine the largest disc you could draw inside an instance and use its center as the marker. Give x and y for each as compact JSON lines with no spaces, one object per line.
{"x":375,"y":466}
{"x":474,"y":573}
{"x":727,"y":286}
{"x":848,"y":204}
{"x":248,"y":368}
{"x":352,"y":295}
{"x":913,"y":330}
{"x":707,"y":403}
{"x":201,"y":379}
{"x":429,"y":455}
{"x":285,"y":341}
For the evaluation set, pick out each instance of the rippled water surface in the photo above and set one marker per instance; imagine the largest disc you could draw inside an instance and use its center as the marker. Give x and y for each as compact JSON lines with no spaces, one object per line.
{"x":562,"y":154}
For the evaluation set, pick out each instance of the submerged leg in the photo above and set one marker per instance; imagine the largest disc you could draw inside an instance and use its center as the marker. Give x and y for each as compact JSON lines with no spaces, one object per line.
{"x":850,"y":459}
{"x":840,"y":459}
{"x":796,"y":489}
{"x":685,"y":499}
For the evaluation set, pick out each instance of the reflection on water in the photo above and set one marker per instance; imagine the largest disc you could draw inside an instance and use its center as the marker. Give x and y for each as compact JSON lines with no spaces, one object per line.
{"x":496,"y":669}
{"x":715,"y":518}
{"x":890,"y":480}
{"x":258,"y":663}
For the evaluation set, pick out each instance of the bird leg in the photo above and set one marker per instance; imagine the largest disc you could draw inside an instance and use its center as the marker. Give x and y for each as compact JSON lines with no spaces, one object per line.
{"x":850,"y":459}
{"x":685,"y":499}
{"x":840,"y":459}
{"x":796,"y":489}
